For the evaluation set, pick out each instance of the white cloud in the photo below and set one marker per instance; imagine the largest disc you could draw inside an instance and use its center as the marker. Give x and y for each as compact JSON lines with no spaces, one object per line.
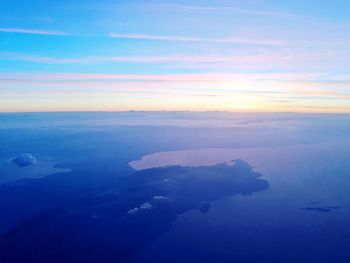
{"x":146,"y":206}
{"x":133,"y":211}
{"x":199,"y":39}
{"x":159,"y":197}
{"x":33,"y":31}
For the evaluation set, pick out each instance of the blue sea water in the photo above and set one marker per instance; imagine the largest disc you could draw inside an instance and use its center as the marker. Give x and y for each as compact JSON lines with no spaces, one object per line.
{"x":91,"y":169}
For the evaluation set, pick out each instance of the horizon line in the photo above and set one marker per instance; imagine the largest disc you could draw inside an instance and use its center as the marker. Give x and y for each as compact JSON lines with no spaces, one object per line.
{"x":184,"y":111}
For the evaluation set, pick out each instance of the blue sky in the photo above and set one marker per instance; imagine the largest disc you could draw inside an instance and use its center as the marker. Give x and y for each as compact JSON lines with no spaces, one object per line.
{"x":256,"y":55}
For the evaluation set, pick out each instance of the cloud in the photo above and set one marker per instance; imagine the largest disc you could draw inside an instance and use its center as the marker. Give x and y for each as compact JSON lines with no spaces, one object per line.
{"x":133,"y":211}
{"x":221,"y":9}
{"x":24,"y":159}
{"x":325,"y":94}
{"x":251,"y":61}
{"x":226,"y":9}
{"x":241,"y":41}
{"x":159,"y":197}
{"x":146,"y":206}
{"x":12,"y":82}
{"x":26,"y":77}
{"x":198,"y":39}
{"x":271,"y":86}
{"x":154,"y":37}
{"x":254,"y":90}
{"x":188,"y":9}
{"x":123,"y":59}
{"x":33,"y":31}
{"x":120,"y":59}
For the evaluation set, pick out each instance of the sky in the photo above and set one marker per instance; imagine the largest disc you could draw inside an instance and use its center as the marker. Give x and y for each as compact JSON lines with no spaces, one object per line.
{"x":252,"y":55}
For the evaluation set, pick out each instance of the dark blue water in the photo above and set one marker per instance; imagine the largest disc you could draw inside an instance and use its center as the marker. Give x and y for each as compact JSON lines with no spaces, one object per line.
{"x":80,"y":201}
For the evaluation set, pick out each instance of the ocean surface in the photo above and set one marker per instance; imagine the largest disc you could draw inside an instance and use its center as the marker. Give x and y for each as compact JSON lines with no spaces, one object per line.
{"x":174,"y":187}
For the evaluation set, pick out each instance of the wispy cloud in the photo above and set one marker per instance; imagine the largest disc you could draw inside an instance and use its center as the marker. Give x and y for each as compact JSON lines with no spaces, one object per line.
{"x":271,"y":89}
{"x":270,"y":59}
{"x":138,"y":59}
{"x":343,"y":45}
{"x":188,"y":83}
{"x":178,"y":8}
{"x":154,"y":37}
{"x":203,"y":77}
{"x":33,"y":31}
{"x":199,"y":39}
{"x":221,"y":9}
{"x":325,"y":94}
{"x":303,"y":83}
